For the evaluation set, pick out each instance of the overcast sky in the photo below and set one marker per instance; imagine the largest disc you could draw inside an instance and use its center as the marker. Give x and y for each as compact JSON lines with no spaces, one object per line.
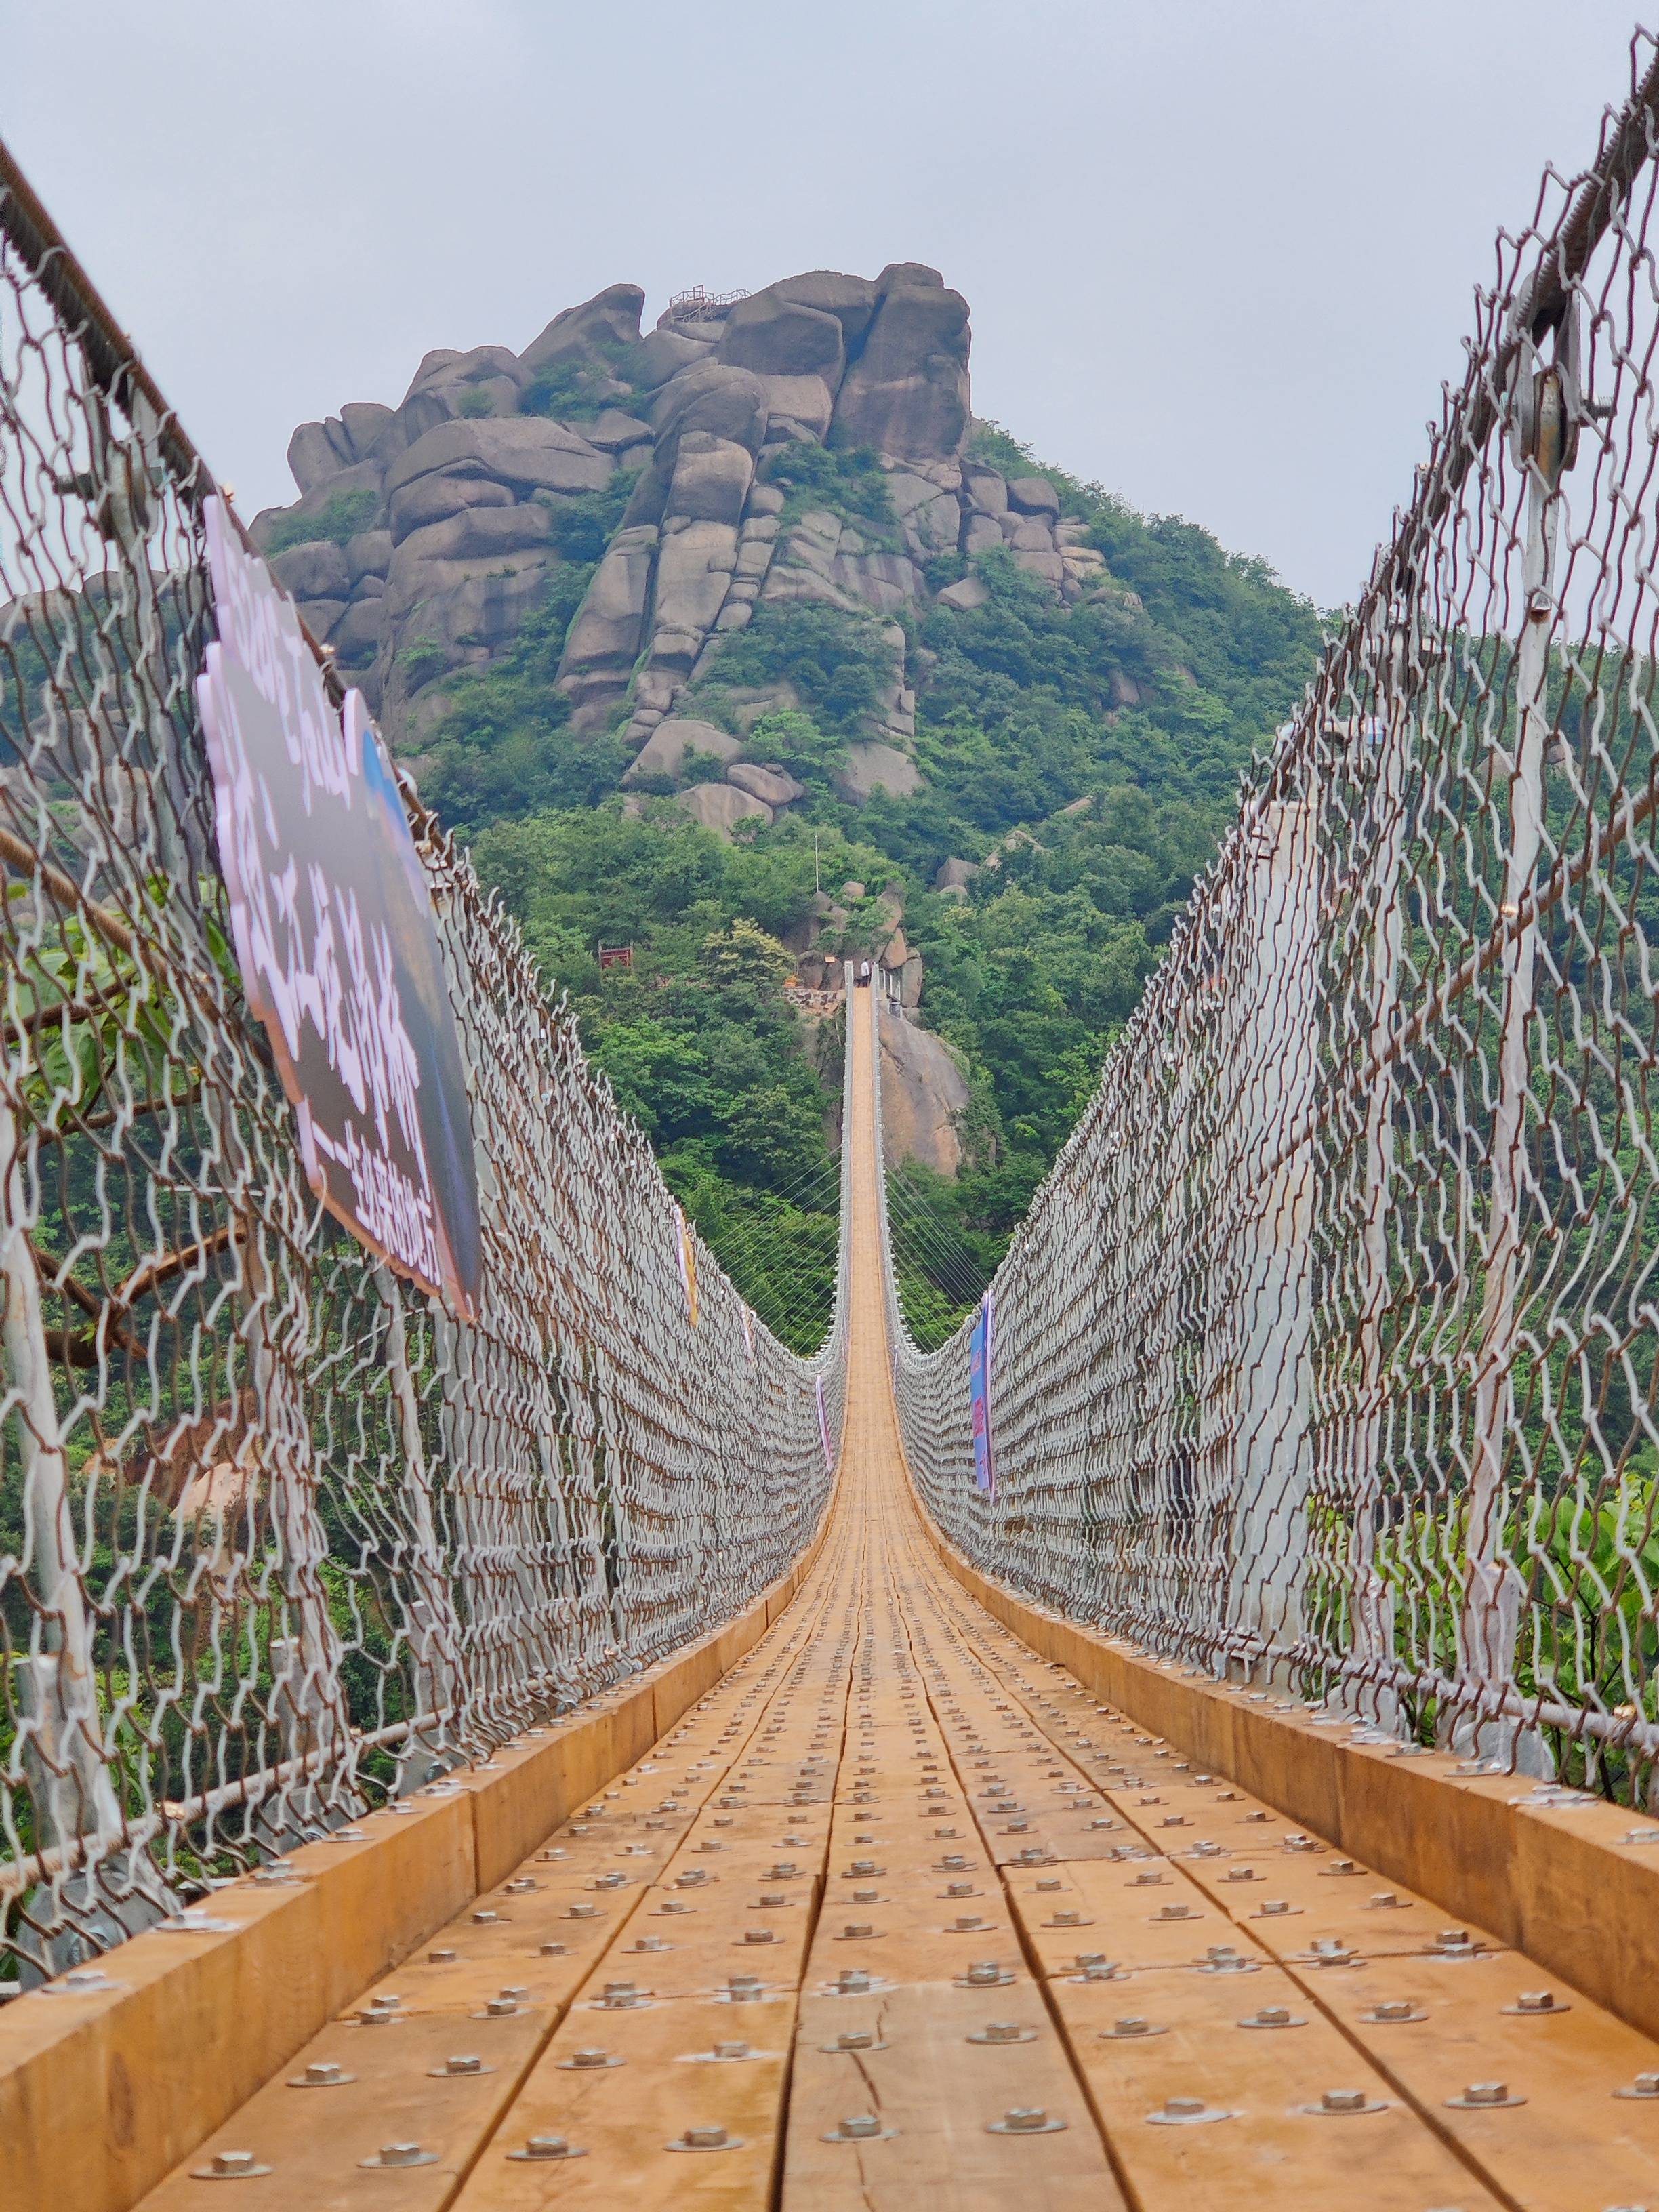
{"x":1219,"y":252}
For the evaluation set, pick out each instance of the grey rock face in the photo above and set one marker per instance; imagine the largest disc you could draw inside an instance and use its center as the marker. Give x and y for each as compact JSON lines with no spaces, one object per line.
{"x":312,"y":458}
{"x":1033,"y":496}
{"x":422,"y":413}
{"x":477,"y":533}
{"x":773,"y":786}
{"x":875,"y":767}
{"x":526,"y":452}
{"x":664,"y":751}
{"x":487,"y":379}
{"x":444,"y":367}
{"x":964,"y":595}
{"x":909,"y":275}
{"x":661,"y":354}
{"x":711,"y":479}
{"x":850,"y":299}
{"x":313,"y":571}
{"x":608,"y":628}
{"x":986,"y":490}
{"x":927,"y":1090}
{"x":693,"y":568}
{"x":323,"y":617}
{"x":779,"y":336}
{"x":367,"y":424}
{"x":721,"y":806}
{"x":797,"y":407}
{"x":713,"y":396}
{"x":368,"y":554}
{"x":461,"y":532}
{"x":908,"y":393}
{"x":363,"y":475}
{"x":356,"y":637}
{"x":882,"y":581}
{"x":434,"y":498}
{"x":954,"y":875}
{"x":614,"y":431}
{"x":611,"y":318}
{"x":417,"y":573}
{"x":468,"y":607}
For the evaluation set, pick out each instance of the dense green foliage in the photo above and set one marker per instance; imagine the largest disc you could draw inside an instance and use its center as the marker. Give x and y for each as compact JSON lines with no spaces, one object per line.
{"x":847,"y":480}
{"x":1087,"y":756}
{"x":579,"y":388}
{"x":340,"y":517}
{"x":697,"y":1040}
{"x":503,"y":747}
{"x":837,"y":664}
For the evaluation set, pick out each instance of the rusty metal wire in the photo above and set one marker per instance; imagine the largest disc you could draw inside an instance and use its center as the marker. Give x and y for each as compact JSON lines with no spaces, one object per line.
{"x":1326,"y":1354}
{"x":279,"y":1538}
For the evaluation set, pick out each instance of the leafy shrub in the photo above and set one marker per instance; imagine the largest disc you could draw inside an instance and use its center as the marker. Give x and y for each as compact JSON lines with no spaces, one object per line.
{"x":701,"y":767}
{"x":566,"y":389}
{"x":847,"y":480}
{"x":474,"y":404}
{"x":576,"y":389}
{"x":582,"y":524}
{"x":996,"y":448}
{"x":794,"y":741}
{"x":504,"y":748}
{"x":422,"y":658}
{"x":839,"y":663}
{"x":338,"y":518}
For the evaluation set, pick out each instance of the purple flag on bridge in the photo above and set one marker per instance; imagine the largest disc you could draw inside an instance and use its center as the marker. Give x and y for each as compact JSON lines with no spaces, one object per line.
{"x":978,"y":1397}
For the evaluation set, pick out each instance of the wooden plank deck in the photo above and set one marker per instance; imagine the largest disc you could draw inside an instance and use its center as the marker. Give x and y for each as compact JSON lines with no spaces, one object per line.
{"x":900,"y":1918}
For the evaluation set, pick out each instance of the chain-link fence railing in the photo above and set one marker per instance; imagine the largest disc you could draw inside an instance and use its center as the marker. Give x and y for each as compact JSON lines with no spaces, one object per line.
{"x":279,"y":1537}
{"x":1327,"y":1352}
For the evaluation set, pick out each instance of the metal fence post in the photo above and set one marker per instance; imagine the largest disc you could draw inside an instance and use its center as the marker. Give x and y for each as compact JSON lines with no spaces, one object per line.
{"x":1493,"y":1589}
{"x":1372,"y":1602}
{"x":1271,"y":1458}
{"x":434,"y":1631}
{"x":77,"y":1811}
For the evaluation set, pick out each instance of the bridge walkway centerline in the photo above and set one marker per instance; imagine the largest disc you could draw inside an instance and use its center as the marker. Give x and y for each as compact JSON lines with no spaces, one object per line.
{"x":901,"y":1915}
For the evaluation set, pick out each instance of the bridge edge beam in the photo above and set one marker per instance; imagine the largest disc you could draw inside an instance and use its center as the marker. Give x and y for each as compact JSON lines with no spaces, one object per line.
{"x":1562,"y":1884}
{"x":102,"y":2095}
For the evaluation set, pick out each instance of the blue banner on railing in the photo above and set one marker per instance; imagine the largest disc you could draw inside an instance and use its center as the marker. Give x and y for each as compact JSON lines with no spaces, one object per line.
{"x":978,"y":1397}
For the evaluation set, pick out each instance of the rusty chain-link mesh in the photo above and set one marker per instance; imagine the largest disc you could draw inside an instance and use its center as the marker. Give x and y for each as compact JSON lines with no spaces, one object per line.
{"x":1327,"y":1352}
{"x":278,"y":1538}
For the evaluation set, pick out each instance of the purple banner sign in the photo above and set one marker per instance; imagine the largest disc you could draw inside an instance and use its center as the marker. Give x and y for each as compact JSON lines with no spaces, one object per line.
{"x":332,"y":920}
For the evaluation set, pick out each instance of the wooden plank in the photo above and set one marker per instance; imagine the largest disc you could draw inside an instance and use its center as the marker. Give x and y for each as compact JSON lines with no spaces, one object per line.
{"x":935,"y":2092}
{"x":856,"y":1767}
{"x":313,"y":2139}
{"x":1571,"y":1888}
{"x":1271,"y":2150}
{"x":1572,"y":2146}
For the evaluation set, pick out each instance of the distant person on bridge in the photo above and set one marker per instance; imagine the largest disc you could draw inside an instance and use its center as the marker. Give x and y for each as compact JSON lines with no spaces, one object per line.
{"x":863,"y":975}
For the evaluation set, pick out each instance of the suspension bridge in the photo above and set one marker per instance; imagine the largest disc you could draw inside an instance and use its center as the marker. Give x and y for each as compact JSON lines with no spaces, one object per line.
{"x":483,"y":1724}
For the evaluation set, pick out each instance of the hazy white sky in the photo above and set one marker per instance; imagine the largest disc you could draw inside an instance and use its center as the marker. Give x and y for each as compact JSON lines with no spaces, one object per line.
{"x":1219,"y":252}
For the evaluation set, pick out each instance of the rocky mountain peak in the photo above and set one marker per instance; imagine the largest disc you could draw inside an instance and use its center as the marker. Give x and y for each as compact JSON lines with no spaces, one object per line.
{"x":427,"y":533}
